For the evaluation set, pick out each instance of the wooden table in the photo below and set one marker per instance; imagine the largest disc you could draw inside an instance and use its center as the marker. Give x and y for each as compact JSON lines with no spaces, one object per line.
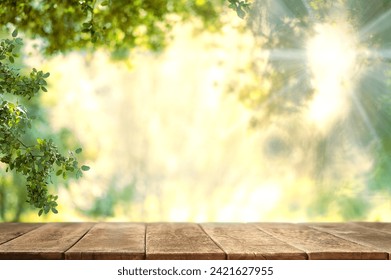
{"x":272,"y":241}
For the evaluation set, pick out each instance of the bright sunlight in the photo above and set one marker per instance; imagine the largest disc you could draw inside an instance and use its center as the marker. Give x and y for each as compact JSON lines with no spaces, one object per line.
{"x":281,"y":116}
{"x":332,"y":57}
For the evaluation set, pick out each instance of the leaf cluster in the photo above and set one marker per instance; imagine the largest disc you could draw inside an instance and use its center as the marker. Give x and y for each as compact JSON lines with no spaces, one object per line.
{"x":37,"y":160}
{"x":118,"y":26}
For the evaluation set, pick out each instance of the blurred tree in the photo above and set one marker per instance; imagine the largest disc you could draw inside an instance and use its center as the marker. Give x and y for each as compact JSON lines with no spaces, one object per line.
{"x":104,"y":206}
{"x":62,"y":26}
{"x":118,"y":26}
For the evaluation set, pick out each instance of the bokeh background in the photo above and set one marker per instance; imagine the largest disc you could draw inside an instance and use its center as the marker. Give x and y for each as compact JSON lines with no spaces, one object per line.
{"x":281,"y":116}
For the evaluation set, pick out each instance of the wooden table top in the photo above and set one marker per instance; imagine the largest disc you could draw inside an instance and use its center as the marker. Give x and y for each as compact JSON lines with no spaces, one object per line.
{"x":185,"y":241}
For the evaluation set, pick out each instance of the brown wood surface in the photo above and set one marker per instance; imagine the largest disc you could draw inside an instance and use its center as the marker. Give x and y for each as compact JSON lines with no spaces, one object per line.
{"x":49,"y":241}
{"x":184,"y":241}
{"x":384,"y":227}
{"x":247,"y":242}
{"x":379,"y":240}
{"x":9,"y":231}
{"x":320,"y":245}
{"x":110,"y":241}
{"x":195,"y":241}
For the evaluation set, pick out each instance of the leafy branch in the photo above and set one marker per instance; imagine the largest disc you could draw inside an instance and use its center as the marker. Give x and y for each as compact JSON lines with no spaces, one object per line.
{"x":36,"y":161}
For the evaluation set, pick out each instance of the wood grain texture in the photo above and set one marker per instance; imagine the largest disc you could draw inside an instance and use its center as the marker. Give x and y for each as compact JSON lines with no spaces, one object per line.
{"x":9,"y":231}
{"x":379,"y":240}
{"x":247,"y":242}
{"x":384,"y":227}
{"x":194,"y":241}
{"x":320,"y":245}
{"x":49,"y":241}
{"x":110,"y":241}
{"x":183,"y":241}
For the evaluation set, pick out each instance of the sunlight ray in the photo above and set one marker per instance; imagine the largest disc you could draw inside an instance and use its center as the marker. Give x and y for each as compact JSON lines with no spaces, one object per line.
{"x":309,"y":9}
{"x":383,"y":54}
{"x":287,"y":54}
{"x":279,"y":9}
{"x":365,"y":118}
{"x":376,"y":26}
{"x":377,"y":72}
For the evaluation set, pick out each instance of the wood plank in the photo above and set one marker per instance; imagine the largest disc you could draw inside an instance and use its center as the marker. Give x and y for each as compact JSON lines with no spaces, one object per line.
{"x":9,"y":231}
{"x":49,"y":241}
{"x":384,"y":227}
{"x":379,"y":240}
{"x":184,"y":241}
{"x":110,"y":241}
{"x":320,"y":245}
{"x":247,"y":242}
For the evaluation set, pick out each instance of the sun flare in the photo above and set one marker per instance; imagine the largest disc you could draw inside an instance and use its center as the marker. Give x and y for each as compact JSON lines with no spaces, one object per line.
{"x":331,"y":57}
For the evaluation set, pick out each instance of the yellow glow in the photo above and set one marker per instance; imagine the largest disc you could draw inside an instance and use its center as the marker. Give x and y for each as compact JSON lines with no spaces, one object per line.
{"x":331,"y":55}
{"x":168,"y":124}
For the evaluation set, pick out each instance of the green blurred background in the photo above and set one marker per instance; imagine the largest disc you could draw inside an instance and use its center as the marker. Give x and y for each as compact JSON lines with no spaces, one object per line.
{"x":187,"y":112}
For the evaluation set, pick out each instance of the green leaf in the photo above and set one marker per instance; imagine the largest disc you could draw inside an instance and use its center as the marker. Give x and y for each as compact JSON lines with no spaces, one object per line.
{"x":78,"y":151}
{"x":54,"y":210}
{"x":46,"y":75}
{"x":59,"y":172}
{"x":85,"y":168}
{"x":15,"y":33}
{"x":79,"y":174}
{"x":44,"y":89}
{"x":240,"y":12}
{"x":70,"y":168}
{"x":40,"y":212}
{"x":105,"y":3}
{"x":11,"y":59}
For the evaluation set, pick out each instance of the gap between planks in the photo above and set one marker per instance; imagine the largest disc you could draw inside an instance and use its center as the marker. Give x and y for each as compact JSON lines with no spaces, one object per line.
{"x":195,"y":241}
{"x":321,"y":245}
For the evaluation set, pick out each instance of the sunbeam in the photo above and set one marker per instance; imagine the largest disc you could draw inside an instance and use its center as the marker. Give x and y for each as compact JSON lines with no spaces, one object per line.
{"x":357,"y":104}
{"x":308,"y":8}
{"x":382,"y":54}
{"x":376,"y":26}
{"x":298,"y":55}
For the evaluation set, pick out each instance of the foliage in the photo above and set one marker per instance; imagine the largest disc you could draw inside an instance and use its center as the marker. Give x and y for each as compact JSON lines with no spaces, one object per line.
{"x":35,"y":160}
{"x":118,"y":26}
